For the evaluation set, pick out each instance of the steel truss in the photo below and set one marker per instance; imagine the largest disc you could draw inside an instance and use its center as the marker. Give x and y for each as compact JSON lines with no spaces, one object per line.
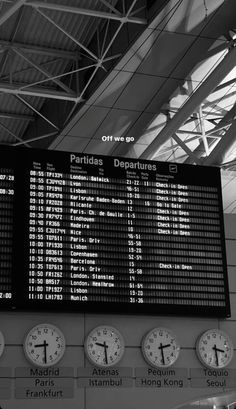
{"x":65,"y":86}
{"x":213,"y":143}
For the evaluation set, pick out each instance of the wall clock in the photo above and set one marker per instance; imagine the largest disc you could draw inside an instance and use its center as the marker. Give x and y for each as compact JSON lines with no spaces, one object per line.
{"x":2,"y":343}
{"x":214,"y":349}
{"x":44,"y":345}
{"x":104,"y":346}
{"x":160,"y":347}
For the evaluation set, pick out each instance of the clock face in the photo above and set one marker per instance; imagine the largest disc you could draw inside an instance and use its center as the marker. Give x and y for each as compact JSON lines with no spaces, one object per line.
{"x":2,"y":343}
{"x":104,"y":346}
{"x":160,"y":347}
{"x":214,"y":349}
{"x":44,"y":345}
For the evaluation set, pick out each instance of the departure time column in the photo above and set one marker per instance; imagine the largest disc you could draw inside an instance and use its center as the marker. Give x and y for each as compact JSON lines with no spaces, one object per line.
{"x":46,"y":235}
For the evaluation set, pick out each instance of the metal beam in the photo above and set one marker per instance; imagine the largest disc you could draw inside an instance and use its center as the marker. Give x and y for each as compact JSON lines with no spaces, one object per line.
{"x":218,"y":151}
{"x":12,"y":134}
{"x":59,"y":75}
{"x":23,"y":117}
{"x":36,"y":91}
{"x":186,"y":148}
{"x":85,"y":12}
{"x":11,"y":10}
{"x":40,"y":50}
{"x":29,"y":68}
{"x":36,"y":138}
{"x":110,"y":6}
{"x":101,"y":61}
{"x":204,"y":138}
{"x":43,"y":71}
{"x":94,"y":57}
{"x":216,"y":76}
{"x":217,"y":156}
{"x":36,"y":111}
{"x":197,"y":136}
{"x":209,"y":134}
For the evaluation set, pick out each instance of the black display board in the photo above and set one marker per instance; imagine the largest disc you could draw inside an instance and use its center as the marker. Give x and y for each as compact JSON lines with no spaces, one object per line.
{"x":96,"y":233}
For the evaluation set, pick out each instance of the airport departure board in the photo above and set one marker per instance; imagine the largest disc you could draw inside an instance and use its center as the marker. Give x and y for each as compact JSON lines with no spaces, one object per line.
{"x":106,"y":234}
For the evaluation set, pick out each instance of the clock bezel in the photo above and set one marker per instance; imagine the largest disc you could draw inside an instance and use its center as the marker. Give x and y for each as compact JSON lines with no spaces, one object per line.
{"x":28,"y":356}
{"x":116,"y":331}
{"x":201,"y":359}
{"x":146,"y":357}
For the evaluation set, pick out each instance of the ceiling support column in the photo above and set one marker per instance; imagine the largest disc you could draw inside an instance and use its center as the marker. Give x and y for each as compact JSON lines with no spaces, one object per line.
{"x":219,"y":73}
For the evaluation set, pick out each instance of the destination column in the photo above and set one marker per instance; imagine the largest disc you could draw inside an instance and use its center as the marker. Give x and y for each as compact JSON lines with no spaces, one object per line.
{"x":82,"y":260}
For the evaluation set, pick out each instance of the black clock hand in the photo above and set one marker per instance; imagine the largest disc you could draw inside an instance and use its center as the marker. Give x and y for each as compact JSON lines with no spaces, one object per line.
{"x":219,"y":350}
{"x":45,"y":351}
{"x":165,"y":346}
{"x":44,"y":345}
{"x":99,"y":344}
{"x":162,"y":353}
{"x":105,"y":346}
{"x":105,"y":350}
{"x":41,"y":345}
{"x":216,"y":355}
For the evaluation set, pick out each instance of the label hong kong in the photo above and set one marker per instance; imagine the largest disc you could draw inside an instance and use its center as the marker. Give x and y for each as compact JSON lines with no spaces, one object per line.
{"x":91,"y":377}
{"x":212,"y":378}
{"x":49,"y":383}
{"x":161,"y":378}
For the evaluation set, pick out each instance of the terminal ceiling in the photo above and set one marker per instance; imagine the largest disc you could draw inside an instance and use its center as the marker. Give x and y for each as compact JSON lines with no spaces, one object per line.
{"x":77,"y":75}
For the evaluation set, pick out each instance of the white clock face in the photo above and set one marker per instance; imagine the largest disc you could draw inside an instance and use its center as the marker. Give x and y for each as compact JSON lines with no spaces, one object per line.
{"x":104,"y":346}
{"x":2,"y":343}
{"x":44,"y":345}
{"x":160,"y":347}
{"x":214,"y":349}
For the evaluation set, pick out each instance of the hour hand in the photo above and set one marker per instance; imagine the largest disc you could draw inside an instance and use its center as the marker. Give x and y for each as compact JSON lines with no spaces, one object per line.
{"x":165,"y":346}
{"x":99,"y":344}
{"x":219,"y":350}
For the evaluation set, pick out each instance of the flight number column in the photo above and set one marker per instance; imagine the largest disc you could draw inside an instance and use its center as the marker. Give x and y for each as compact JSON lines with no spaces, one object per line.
{"x":46,"y":234}
{"x":134,"y":244}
